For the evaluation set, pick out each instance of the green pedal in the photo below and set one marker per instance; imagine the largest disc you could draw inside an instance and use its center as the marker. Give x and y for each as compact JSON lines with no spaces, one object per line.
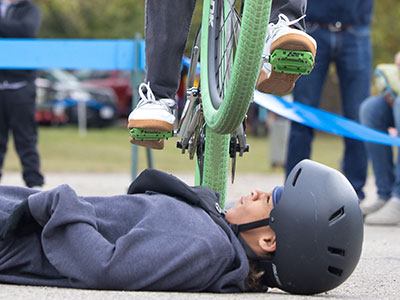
{"x":140,"y":134}
{"x":292,"y":62}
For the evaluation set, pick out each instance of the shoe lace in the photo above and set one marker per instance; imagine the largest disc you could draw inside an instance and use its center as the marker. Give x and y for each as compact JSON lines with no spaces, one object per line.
{"x":283,"y":21}
{"x":147,"y":96}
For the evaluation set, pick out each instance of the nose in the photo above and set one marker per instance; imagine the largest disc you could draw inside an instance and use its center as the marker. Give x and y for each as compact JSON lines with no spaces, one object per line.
{"x":257,"y":194}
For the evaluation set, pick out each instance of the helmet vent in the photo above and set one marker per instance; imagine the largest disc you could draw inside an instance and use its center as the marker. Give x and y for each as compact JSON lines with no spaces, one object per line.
{"x":336,"y":215}
{"x":336,"y":251}
{"x":296,"y":177}
{"x":335,"y":271}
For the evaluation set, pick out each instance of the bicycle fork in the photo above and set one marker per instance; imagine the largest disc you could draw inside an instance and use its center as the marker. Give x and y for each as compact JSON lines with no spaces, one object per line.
{"x":192,"y":132}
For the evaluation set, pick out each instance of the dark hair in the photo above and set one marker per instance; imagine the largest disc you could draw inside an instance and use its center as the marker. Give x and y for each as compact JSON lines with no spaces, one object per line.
{"x":253,"y":280}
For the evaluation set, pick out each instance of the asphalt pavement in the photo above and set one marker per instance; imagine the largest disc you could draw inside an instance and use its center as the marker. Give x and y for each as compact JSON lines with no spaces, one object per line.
{"x":377,"y":275}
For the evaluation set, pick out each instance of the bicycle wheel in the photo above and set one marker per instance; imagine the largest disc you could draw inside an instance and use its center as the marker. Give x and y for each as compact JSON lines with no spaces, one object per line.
{"x":214,"y":172}
{"x":230,"y":60}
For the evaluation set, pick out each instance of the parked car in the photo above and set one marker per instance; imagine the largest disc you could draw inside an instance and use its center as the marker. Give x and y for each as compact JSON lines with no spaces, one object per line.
{"x":59,"y":93}
{"x":119,"y":81}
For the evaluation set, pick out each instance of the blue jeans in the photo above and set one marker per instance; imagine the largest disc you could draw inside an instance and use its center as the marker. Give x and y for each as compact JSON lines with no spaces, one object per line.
{"x":377,"y":114}
{"x":351,"y":52}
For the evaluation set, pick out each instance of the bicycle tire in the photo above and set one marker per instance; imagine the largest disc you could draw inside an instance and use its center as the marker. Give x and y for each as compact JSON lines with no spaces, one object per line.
{"x":225,"y":103}
{"x":225,"y":112}
{"x":216,"y":160}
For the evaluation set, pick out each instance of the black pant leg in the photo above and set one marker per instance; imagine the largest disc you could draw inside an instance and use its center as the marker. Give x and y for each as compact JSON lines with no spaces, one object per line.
{"x":23,"y":125}
{"x":4,"y":128}
{"x":167,"y":26}
{"x":293,"y":9}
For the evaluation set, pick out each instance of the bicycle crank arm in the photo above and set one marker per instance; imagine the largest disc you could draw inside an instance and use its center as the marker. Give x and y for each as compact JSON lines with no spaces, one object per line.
{"x":241,"y":138}
{"x":292,"y":62}
{"x":237,"y":144}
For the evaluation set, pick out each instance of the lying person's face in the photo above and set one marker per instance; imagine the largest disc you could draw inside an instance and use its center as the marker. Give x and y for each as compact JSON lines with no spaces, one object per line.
{"x":256,"y":206}
{"x":253,"y":207}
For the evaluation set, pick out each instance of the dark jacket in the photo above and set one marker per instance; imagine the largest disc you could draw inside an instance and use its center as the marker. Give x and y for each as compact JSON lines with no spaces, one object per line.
{"x":145,"y":241}
{"x":21,"y":21}
{"x":348,"y":12}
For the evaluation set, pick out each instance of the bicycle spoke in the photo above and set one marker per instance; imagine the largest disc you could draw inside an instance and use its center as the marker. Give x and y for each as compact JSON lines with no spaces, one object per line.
{"x":231,"y":8}
{"x":225,"y":81}
{"x":231,"y":20}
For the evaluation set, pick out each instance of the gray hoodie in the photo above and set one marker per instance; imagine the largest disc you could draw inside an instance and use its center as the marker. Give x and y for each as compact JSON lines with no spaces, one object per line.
{"x":144,"y":241}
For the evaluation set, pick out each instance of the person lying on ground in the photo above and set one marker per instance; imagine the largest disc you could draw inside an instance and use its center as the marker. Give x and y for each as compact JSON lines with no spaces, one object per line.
{"x":304,"y":237}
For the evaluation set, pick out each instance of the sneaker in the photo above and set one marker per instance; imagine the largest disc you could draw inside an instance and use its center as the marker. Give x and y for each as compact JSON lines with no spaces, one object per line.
{"x":371,"y":205}
{"x":389,"y":214}
{"x":281,"y":36}
{"x":150,"y":113}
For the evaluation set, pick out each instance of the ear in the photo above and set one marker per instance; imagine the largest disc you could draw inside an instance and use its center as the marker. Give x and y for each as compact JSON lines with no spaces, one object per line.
{"x":267,"y":242}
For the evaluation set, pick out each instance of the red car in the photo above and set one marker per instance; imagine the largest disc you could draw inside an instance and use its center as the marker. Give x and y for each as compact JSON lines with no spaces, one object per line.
{"x":119,"y":81}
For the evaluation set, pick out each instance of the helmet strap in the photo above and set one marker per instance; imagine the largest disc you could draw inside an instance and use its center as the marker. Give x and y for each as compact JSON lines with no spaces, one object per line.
{"x":252,"y":225}
{"x":249,"y":252}
{"x":245,"y":227}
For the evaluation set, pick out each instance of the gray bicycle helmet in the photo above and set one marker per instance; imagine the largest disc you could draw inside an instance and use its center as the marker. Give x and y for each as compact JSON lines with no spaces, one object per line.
{"x":319,"y":231}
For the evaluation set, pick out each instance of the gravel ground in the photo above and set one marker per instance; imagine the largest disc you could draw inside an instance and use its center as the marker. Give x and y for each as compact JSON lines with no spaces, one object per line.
{"x":376,"y":277}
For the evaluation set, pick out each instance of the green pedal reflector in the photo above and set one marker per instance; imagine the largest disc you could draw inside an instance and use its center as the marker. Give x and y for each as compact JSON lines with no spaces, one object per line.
{"x":292,"y":62}
{"x":140,"y":134}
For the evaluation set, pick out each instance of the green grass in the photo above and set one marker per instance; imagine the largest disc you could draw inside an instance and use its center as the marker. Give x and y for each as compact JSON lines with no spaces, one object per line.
{"x":62,"y":149}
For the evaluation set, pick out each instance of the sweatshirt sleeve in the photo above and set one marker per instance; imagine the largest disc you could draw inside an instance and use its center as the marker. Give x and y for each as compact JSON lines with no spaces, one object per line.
{"x":136,"y":260}
{"x":70,"y":237}
{"x":25,"y":27}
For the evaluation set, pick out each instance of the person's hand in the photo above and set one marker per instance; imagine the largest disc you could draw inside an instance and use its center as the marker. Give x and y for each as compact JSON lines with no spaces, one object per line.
{"x":393,"y":131}
{"x":19,"y":223}
{"x":389,"y":98}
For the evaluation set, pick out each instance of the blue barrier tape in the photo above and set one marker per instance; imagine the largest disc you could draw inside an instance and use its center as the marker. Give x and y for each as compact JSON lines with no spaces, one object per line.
{"x":69,"y":54}
{"x":74,"y":54}
{"x":142,"y":55}
{"x":67,"y":102}
{"x":322,"y":120}
{"x":186,"y":62}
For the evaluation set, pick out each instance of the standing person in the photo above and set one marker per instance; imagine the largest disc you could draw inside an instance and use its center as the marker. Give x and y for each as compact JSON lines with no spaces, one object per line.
{"x":304,"y":238}
{"x":342,"y":31}
{"x":382,"y":113}
{"x":20,"y":19}
{"x":167,"y":27}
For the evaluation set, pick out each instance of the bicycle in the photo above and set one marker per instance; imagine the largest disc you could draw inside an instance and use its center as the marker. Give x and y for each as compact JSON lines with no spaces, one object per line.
{"x":232,"y":36}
